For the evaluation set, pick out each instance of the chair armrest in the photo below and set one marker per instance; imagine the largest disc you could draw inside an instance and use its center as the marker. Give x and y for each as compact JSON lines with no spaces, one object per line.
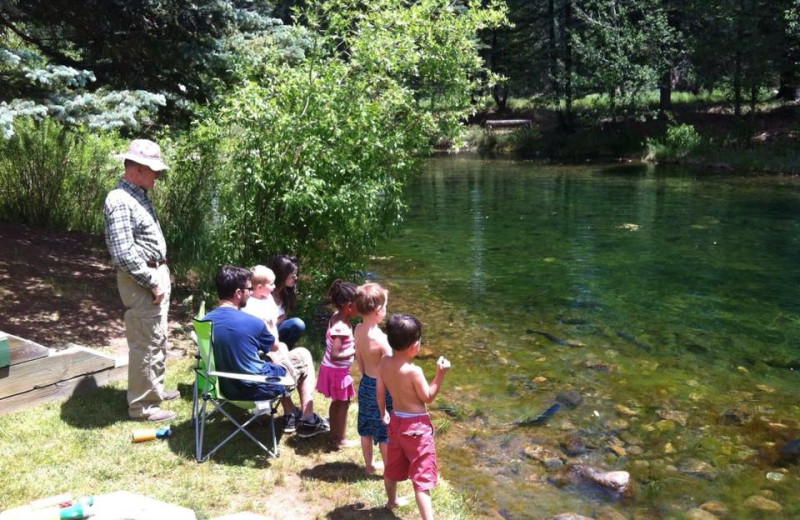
{"x":255,"y":378}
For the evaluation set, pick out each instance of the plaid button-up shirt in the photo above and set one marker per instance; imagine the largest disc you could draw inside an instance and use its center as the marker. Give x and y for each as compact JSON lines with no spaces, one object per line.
{"x":133,"y":235}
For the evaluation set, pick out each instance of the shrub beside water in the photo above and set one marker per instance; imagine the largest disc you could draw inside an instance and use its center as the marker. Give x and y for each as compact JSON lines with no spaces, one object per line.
{"x":679,"y":142}
{"x":522,"y":142}
{"x":310,"y":155}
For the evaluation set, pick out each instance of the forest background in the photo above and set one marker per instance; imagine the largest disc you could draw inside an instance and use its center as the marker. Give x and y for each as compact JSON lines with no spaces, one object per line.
{"x":293,"y":126}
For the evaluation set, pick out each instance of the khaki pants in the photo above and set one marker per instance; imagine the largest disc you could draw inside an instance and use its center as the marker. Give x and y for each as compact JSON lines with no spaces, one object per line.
{"x":146,"y":332}
{"x":298,"y":362}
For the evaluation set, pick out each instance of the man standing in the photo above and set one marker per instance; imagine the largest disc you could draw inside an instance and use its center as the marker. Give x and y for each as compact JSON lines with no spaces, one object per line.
{"x":139,"y":252}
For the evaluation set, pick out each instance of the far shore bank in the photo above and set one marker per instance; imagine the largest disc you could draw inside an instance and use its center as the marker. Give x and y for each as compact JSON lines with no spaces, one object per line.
{"x":712,"y":138}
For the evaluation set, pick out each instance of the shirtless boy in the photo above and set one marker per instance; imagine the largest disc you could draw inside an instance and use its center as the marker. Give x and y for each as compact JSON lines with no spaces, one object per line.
{"x":411,"y":453}
{"x":371,"y":346}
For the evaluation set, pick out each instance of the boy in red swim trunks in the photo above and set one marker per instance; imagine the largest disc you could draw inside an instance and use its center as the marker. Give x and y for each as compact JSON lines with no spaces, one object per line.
{"x":411,"y":453}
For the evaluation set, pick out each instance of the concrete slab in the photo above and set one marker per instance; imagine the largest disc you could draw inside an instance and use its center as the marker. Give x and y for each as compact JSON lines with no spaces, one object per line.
{"x":243,"y":516}
{"x":124,"y":505}
{"x":120,"y":505}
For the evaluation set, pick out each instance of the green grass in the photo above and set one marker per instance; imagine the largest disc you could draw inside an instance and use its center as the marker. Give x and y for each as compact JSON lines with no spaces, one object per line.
{"x":601,"y":102}
{"x":83,"y":446}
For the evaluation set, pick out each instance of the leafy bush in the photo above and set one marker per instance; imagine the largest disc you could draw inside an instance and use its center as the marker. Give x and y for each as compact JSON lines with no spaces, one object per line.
{"x":52,"y":175}
{"x":310,"y":155}
{"x":483,"y":140}
{"x":679,"y":141}
{"x":526,"y":142}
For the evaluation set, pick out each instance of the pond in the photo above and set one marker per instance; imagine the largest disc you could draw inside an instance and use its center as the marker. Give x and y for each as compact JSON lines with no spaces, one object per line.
{"x":658,"y":307}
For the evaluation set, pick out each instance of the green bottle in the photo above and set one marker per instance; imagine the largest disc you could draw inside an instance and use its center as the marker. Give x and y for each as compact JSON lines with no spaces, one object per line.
{"x":78,"y":509}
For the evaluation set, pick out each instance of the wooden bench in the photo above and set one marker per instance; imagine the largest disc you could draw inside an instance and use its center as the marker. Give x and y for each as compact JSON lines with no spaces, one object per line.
{"x":36,"y":374}
{"x":507,"y":124}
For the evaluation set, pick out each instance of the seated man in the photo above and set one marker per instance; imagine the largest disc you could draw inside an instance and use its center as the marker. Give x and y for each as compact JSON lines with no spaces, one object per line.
{"x":239,"y":338}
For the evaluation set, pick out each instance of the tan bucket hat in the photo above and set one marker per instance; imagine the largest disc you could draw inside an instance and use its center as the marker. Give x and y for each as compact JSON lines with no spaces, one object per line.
{"x":145,"y":152}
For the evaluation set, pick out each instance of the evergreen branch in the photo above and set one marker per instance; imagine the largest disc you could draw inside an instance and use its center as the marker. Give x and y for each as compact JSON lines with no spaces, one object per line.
{"x":39,"y":44}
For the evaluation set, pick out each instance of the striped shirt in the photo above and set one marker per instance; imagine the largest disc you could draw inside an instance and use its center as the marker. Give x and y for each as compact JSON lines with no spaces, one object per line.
{"x":133,"y":235}
{"x":343,"y":331}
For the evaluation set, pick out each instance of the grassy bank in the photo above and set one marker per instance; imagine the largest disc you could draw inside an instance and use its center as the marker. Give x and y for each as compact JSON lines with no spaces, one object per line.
{"x":83,"y":446}
{"x":700,"y":132}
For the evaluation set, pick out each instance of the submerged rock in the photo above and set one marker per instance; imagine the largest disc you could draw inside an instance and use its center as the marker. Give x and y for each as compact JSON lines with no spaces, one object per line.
{"x":624,"y":410}
{"x":763,"y":504}
{"x":569,"y":398}
{"x":618,"y":424}
{"x":790,"y":452}
{"x":775,"y":476}
{"x":573,"y":445}
{"x":674,"y":416}
{"x":609,"y":513}
{"x":547,"y":456}
{"x":734,"y":417}
{"x":570,"y":516}
{"x":617,"y":450}
{"x":700,"y":514}
{"x":601,"y":366}
{"x":618,"y":482}
{"x":698,"y":468}
{"x":635,"y":450}
{"x":715,"y":508}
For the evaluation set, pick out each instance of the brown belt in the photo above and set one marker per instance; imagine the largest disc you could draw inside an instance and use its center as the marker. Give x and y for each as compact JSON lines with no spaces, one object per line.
{"x":156,"y":263}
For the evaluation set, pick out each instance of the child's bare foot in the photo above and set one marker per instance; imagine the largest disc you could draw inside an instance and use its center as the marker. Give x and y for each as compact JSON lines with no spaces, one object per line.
{"x":370,"y":470}
{"x":398,"y":502}
{"x":344,"y":444}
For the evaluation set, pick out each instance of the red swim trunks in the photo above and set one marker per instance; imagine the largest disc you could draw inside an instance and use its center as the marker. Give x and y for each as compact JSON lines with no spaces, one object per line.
{"x":412,"y":453}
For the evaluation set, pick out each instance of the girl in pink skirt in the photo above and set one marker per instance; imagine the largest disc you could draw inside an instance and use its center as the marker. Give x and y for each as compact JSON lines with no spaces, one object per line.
{"x":334,"y":379}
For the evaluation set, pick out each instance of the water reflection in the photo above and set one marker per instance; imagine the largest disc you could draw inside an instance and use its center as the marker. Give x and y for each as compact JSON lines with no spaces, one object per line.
{"x":665,"y":299}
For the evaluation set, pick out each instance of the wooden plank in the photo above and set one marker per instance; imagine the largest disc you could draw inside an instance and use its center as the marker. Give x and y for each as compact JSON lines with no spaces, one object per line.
{"x":63,"y":389}
{"x":60,"y":366}
{"x":508,"y":122}
{"x":22,"y":350}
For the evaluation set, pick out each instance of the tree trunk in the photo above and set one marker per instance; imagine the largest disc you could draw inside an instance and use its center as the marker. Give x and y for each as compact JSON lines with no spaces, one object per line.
{"x":555,"y":83}
{"x":789,"y":89}
{"x":612,"y":104}
{"x":737,"y":84}
{"x":665,"y":95}
{"x":568,"y":64}
{"x":500,"y":95}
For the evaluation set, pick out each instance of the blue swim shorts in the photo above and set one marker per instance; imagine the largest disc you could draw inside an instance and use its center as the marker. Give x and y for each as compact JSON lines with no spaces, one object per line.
{"x":369,"y":417}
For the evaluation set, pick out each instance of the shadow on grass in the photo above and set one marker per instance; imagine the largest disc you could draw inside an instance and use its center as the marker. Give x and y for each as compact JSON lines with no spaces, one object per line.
{"x":357,"y":512}
{"x":338,"y":472}
{"x":92,"y":407}
{"x":308,"y":446}
{"x":186,"y":390}
{"x":238,"y":451}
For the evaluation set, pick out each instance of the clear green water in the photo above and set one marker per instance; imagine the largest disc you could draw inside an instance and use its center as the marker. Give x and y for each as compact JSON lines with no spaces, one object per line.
{"x":665,"y":298}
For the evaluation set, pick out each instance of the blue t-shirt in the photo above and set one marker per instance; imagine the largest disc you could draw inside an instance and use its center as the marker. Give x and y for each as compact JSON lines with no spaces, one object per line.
{"x":237,"y":337}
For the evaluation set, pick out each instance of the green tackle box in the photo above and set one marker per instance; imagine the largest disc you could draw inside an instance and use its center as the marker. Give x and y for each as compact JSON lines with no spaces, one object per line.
{"x":5,"y":354}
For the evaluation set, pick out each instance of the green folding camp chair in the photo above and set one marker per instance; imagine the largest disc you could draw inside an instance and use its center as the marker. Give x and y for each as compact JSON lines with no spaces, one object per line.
{"x":207,"y":398}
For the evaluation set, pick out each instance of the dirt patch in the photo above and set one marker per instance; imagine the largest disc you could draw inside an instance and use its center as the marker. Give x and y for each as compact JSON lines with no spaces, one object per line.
{"x":59,"y":288}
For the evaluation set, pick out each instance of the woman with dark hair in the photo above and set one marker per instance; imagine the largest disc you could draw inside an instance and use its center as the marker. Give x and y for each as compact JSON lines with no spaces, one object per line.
{"x":285,"y":269}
